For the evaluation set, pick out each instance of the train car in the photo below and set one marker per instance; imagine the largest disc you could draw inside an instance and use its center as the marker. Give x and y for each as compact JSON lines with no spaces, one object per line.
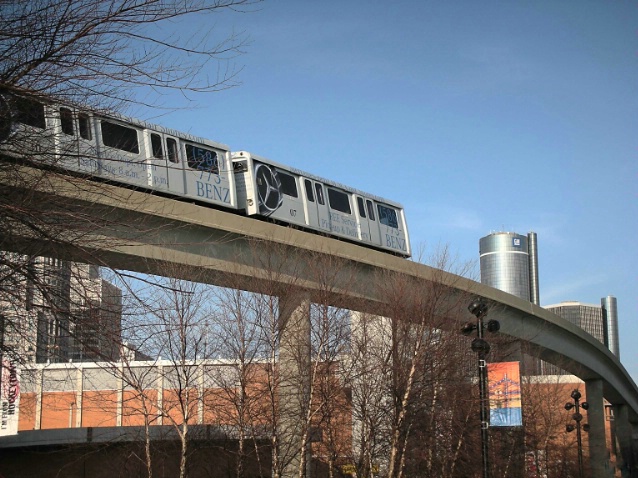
{"x":120,"y":149}
{"x":291,"y":196}
{"x":150,"y":157}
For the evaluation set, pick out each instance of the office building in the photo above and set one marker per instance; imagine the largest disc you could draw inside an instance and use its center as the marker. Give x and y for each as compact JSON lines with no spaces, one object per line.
{"x":59,"y":311}
{"x":599,"y":321}
{"x":509,"y":262}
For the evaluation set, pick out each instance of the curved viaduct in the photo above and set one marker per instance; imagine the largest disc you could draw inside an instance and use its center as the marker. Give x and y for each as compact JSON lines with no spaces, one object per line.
{"x":149,"y":233}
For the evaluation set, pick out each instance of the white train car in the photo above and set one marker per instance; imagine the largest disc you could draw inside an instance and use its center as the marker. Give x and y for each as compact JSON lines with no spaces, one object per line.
{"x":288,"y":195}
{"x":150,"y":157}
{"x":122,"y":150}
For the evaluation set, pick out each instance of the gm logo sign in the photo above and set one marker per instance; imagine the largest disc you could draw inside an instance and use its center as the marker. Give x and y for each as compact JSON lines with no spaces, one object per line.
{"x":516,"y":241}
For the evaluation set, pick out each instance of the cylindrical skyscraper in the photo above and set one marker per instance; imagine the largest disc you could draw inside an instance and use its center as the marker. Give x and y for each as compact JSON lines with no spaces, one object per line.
{"x":600,"y":322}
{"x":509,"y":262}
{"x":610,"y":324}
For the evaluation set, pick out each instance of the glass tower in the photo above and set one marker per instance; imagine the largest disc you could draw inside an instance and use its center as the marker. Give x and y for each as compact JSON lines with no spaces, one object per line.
{"x":509,"y":262}
{"x":599,"y":321}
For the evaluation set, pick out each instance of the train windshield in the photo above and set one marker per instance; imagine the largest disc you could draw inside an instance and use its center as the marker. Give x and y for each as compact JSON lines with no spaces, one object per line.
{"x":388,"y":216}
{"x":201,"y":159}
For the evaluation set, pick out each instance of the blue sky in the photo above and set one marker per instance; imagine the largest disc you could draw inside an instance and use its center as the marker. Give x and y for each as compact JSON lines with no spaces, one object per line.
{"x":477,"y":116}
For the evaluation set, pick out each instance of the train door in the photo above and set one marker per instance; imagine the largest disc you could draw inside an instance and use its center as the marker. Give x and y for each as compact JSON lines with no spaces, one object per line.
{"x":157,"y":166}
{"x":369,"y":228}
{"x":317,"y":213}
{"x":67,"y":146}
{"x":76,"y":141}
{"x":174,"y":165}
{"x":375,"y":235}
{"x":87,"y":150}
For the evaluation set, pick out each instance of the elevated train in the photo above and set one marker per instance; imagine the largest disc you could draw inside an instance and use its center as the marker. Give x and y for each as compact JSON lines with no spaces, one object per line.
{"x":153,"y":158}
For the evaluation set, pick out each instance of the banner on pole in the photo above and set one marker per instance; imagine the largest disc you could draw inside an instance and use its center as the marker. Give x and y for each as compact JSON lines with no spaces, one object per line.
{"x":504,"y":383}
{"x":9,"y":398}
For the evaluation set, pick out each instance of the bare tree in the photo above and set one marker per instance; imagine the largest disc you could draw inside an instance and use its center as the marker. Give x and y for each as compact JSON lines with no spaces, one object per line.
{"x":550,"y":449}
{"x":370,"y":379}
{"x":240,"y":395}
{"x":411,"y":387}
{"x":98,"y":55}
{"x":104,"y":52}
{"x":176,"y":321}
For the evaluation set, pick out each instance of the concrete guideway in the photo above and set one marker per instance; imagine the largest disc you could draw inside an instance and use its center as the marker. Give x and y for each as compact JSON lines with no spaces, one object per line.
{"x":148,"y":233}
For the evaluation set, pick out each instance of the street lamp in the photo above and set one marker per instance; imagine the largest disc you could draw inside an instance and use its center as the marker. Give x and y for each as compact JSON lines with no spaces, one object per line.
{"x":479,"y":309}
{"x":578,"y":417}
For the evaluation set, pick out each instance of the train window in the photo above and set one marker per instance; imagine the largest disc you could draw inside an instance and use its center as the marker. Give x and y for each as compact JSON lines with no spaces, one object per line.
{"x":156,"y":146}
{"x":66,"y":121}
{"x":201,"y":159}
{"x":339,"y":201}
{"x":370,"y":209}
{"x":288,"y":184}
{"x":361,"y":206}
{"x":319,"y":190}
{"x":120,"y":137}
{"x":84,"y":126}
{"x":388,"y":216}
{"x":309,"y":194}
{"x":171,"y":148}
{"x":29,"y":112}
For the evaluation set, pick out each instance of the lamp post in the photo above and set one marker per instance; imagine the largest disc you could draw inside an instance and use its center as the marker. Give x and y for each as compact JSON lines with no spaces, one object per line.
{"x":578,"y":417}
{"x":479,"y":309}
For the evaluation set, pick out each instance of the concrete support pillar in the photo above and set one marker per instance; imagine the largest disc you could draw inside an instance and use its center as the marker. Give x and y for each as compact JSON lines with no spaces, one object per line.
{"x":294,"y":382}
{"x":79,"y":389}
{"x":119,"y":395}
{"x":201,"y":379}
{"x":627,"y":463}
{"x":38,"y":398}
{"x":160,"y":394}
{"x":598,"y":455}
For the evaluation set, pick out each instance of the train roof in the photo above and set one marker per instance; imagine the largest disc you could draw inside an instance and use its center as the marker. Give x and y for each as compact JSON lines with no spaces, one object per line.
{"x":329,"y":182}
{"x":162,"y":129}
{"x":198,"y":139}
{"x":51,"y":100}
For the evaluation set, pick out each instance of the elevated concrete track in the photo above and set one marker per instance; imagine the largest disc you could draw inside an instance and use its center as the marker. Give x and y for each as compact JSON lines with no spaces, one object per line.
{"x":146,"y":233}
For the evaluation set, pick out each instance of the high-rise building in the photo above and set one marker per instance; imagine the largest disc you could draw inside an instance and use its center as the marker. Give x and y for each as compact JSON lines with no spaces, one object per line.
{"x":56,"y":311}
{"x":509,"y":262}
{"x":599,"y":321}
